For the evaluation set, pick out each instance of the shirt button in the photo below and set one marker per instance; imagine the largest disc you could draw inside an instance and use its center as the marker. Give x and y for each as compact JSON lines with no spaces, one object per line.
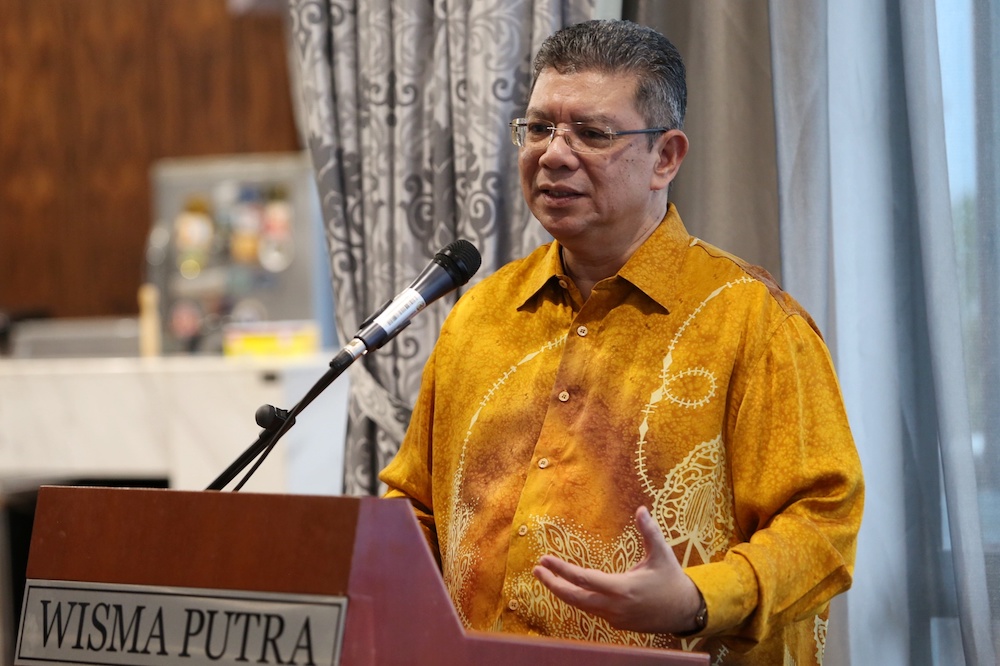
{"x":522,"y":530}
{"x":564,"y":396}
{"x":543,"y":463}
{"x":512,"y":604}
{"x":581,"y":331}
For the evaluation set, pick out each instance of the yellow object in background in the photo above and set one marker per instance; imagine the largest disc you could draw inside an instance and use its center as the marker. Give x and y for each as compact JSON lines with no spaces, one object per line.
{"x":271,"y":338}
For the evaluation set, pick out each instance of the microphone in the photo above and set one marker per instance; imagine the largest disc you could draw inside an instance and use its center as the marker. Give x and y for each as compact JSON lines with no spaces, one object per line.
{"x":451,"y":268}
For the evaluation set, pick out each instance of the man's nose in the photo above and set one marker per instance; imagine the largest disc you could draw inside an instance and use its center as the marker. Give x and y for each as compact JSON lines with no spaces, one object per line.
{"x":558,"y":150}
{"x":564,"y":132}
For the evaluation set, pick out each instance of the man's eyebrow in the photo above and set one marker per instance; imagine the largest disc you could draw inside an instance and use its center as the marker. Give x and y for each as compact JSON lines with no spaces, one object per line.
{"x":596,"y":119}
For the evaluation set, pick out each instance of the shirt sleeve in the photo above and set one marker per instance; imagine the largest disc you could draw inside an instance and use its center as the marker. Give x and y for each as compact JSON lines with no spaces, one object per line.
{"x":408,"y":475}
{"x":798,"y":493}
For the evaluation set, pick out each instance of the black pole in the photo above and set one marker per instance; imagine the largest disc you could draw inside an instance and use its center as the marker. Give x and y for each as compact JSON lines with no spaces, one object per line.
{"x":282,"y":422}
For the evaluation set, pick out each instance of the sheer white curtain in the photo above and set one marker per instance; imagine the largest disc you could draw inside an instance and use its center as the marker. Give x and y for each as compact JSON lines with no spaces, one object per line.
{"x":895,"y":254}
{"x":891,"y":273}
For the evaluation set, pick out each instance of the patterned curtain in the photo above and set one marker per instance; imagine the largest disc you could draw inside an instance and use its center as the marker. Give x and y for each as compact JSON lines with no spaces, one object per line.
{"x":405,"y":108}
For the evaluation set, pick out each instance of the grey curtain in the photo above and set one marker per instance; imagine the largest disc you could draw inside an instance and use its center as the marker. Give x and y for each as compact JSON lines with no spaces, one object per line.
{"x":726,"y":191}
{"x":405,"y":107}
{"x":899,"y":271}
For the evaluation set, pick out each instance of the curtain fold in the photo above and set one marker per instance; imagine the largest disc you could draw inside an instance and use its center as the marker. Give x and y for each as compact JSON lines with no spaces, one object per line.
{"x":925,"y":114}
{"x":406,"y":105}
{"x":891,"y":288}
{"x":798,"y":38}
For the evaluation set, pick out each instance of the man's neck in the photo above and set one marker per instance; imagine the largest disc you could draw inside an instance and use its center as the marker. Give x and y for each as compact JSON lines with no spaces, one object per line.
{"x":588,"y":266}
{"x":584,"y":282}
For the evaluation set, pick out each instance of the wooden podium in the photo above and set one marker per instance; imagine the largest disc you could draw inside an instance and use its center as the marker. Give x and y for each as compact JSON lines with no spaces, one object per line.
{"x":129,"y":576}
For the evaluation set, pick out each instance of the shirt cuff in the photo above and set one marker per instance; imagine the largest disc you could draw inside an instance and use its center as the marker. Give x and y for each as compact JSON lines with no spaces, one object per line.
{"x":730,"y":592}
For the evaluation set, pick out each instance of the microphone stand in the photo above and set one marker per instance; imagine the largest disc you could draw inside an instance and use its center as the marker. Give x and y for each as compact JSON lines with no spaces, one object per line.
{"x":276,"y":422}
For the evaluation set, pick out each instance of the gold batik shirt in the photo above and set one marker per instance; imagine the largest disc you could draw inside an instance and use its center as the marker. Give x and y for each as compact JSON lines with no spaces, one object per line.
{"x":688,"y":383}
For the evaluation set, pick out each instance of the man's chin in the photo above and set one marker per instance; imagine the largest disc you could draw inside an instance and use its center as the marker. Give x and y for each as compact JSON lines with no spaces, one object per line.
{"x":563,"y":227}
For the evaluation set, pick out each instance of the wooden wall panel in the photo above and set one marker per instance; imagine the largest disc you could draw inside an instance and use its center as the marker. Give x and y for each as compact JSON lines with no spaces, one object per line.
{"x":110,"y":150}
{"x":197,"y":83}
{"x":256,"y":92}
{"x":91,"y":94}
{"x":32,"y":155}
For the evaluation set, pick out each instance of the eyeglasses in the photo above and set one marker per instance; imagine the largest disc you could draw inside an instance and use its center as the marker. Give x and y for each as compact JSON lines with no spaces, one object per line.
{"x":580,"y":137}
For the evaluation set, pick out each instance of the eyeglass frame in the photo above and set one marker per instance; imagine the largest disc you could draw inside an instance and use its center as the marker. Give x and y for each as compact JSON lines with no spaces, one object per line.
{"x":519,"y":131}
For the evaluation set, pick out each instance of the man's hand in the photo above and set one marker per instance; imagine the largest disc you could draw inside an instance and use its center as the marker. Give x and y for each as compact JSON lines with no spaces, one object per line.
{"x":654,"y":596}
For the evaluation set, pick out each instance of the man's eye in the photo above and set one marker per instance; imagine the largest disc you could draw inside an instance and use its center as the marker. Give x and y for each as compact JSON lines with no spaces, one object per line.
{"x":591,"y":134}
{"x":539,"y":129}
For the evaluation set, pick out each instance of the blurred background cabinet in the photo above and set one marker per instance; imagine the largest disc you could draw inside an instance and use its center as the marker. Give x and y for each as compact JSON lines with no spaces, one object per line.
{"x":92,"y":94}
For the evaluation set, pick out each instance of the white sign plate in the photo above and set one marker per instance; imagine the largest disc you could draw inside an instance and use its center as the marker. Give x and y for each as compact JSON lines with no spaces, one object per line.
{"x":94,"y":623}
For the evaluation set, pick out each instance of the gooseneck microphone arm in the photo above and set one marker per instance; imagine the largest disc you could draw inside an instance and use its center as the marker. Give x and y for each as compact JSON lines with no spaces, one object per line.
{"x":451,"y":268}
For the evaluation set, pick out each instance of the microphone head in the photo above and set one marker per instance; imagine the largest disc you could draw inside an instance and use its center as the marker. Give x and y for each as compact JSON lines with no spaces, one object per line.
{"x":460,"y":259}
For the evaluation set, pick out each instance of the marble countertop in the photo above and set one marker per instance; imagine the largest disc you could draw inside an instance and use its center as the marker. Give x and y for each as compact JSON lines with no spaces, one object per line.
{"x":180,"y":418}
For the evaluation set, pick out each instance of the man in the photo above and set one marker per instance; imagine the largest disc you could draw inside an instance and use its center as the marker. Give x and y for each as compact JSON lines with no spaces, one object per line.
{"x":630,"y":436}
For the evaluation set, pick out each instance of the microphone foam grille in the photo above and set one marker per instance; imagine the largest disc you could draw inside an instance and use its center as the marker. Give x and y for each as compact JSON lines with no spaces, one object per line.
{"x":466,"y":258}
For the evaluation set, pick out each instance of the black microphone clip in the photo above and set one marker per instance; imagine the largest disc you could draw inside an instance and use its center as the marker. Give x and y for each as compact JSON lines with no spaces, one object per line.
{"x":270,"y":418}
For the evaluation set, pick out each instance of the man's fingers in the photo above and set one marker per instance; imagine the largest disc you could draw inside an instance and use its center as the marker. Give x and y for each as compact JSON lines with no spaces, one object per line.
{"x":586,"y":579}
{"x":648,"y":528}
{"x":567,"y":589}
{"x":657,"y":548}
{"x":651,"y":596}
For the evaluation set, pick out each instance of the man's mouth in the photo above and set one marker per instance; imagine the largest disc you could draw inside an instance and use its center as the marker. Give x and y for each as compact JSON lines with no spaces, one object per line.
{"x":558,"y":193}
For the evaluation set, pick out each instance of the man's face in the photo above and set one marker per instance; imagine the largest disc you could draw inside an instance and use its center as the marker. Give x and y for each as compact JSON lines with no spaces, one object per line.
{"x":591,"y":201}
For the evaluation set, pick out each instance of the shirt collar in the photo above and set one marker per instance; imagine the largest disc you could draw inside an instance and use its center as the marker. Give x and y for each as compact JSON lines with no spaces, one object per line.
{"x":548,"y":269}
{"x":653,"y":268}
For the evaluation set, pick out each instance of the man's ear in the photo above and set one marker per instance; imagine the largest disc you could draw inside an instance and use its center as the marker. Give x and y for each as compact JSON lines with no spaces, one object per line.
{"x":672,"y":146}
